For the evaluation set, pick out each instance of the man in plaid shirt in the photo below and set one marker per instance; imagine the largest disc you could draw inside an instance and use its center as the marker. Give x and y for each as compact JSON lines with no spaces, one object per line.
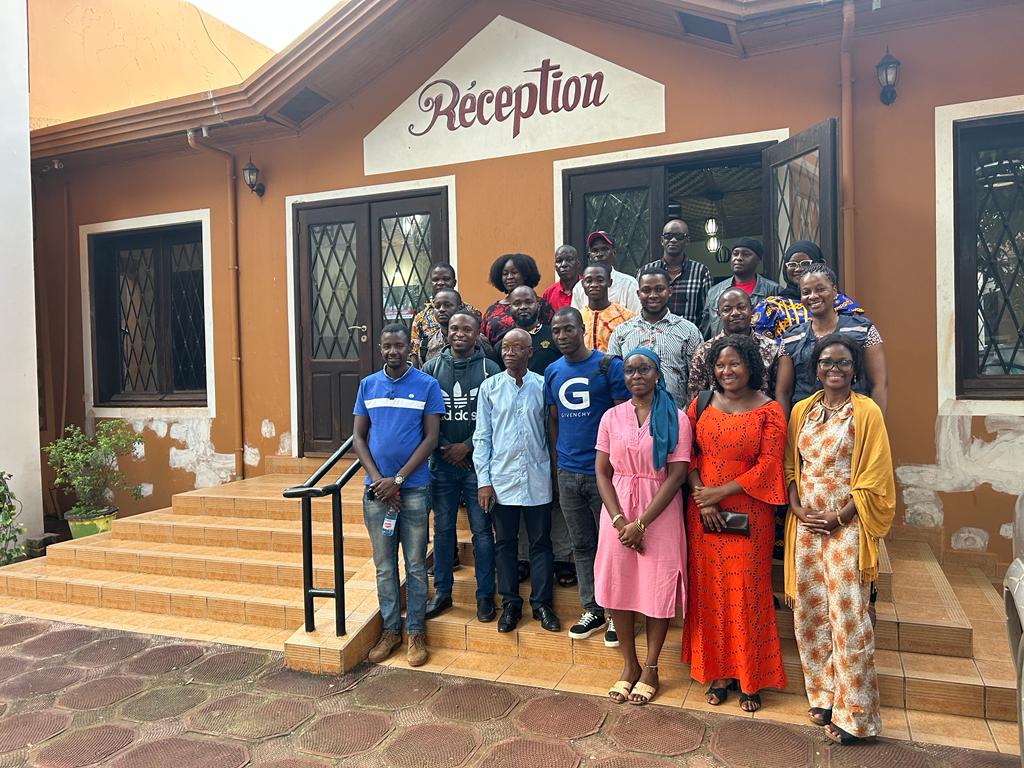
{"x":689,"y":281}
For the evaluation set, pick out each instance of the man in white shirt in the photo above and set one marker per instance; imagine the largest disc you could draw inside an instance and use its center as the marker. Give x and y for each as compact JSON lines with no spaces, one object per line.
{"x":623,"y":290}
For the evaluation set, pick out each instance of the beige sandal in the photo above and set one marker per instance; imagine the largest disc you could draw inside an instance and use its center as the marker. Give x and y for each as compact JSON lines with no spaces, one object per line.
{"x":621,"y":689}
{"x":644,"y":691}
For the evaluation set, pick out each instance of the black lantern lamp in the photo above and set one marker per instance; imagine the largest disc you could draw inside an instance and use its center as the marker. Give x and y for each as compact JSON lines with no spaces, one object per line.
{"x":888,"y":73}
{"x":251,"y":177}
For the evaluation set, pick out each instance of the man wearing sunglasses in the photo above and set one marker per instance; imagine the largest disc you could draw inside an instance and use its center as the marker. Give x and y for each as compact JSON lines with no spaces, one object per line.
{"x":689,"y":280}
{"x":623,"y":287}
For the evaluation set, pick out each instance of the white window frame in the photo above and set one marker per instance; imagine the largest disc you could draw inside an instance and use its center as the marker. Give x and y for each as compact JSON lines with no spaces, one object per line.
{"x":945,"y":257}
{"x":200,"y":216}
{"x":340,"y":196}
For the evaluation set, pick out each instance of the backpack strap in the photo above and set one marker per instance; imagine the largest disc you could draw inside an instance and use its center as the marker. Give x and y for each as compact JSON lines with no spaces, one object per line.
{"x":603,"y":365}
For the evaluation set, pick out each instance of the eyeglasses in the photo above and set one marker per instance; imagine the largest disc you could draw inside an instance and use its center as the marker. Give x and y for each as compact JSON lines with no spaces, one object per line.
{"x":845,"y":364}
{"x":641,"y":370}
{"x":675,"y":235}
{"x":514,"y":349}
{"x":801,"y":264}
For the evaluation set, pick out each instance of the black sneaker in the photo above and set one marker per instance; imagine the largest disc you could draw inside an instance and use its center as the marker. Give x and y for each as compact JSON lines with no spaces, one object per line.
{"x":611,"y":637}
{"x":588,"y":624}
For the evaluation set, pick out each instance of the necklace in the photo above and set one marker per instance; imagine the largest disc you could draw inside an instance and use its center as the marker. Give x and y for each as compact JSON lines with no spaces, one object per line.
{"x":834,"y":408}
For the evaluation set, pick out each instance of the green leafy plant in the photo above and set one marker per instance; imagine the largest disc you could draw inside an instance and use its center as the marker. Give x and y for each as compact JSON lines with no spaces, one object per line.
{"x":12,"y":545}
{"x":88,"y":466}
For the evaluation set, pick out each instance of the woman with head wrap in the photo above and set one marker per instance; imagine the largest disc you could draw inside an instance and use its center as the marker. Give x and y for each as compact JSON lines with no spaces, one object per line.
{"x":774,"y":315}
{"x":730,"y":637}
{"x":643,"y":452}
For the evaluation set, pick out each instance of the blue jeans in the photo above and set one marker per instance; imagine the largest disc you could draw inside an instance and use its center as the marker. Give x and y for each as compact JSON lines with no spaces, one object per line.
{"x":581,"y":505}
{"x":449,"y":485}
{"x":411,"y":532}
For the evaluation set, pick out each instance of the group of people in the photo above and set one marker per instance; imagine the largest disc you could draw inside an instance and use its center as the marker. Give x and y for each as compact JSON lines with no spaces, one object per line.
{"x":674,"y":465}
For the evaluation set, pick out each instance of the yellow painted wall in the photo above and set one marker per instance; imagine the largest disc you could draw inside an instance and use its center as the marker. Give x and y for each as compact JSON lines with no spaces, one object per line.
{"x":88,"y":57}
{"x":507,"y":204}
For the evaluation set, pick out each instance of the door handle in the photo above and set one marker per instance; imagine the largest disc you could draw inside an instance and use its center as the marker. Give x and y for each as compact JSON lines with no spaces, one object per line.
{"x":357,"y":328}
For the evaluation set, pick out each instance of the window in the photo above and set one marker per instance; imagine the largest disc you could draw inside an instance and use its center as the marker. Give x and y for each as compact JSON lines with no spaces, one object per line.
{"x":989,"y":200}
{"x":148,"y":314}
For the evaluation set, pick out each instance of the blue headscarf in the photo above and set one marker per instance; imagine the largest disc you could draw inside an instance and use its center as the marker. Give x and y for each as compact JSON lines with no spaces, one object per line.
{"x":664,"y":419}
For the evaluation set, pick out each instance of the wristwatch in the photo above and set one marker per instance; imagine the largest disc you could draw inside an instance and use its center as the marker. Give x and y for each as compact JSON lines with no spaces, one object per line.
{"x":399,"y":479}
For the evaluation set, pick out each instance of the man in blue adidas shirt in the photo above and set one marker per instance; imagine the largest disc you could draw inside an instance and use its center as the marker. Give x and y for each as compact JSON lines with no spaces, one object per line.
{"x":397,"y":420}
{"x":579,"y":388}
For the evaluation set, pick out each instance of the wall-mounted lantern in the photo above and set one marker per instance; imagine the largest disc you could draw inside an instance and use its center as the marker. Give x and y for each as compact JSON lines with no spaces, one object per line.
{"x":888,"y":72}
{"x":251,"y":177}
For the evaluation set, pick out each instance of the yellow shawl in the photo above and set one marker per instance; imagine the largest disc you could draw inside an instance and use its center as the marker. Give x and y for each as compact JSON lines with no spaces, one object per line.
{"x":871,"y":483}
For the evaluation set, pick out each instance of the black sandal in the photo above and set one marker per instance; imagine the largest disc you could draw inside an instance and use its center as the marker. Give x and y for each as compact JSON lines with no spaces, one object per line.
{"x":820,"y":715}
{"x":722,"y":694}
{"x":565,"y":574}
{"x":754,"y":698}
{"x":837,"y":735}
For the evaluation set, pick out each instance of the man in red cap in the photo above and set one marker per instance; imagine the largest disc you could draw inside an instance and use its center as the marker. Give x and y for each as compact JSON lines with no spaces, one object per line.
{"x":623,"y":288}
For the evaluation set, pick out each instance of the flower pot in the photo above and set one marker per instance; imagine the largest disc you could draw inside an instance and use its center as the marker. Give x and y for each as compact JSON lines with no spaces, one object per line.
{"x":87,"y":526}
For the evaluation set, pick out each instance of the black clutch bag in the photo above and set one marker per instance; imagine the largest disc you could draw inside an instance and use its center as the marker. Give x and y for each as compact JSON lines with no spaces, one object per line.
{"x":735,"y":522}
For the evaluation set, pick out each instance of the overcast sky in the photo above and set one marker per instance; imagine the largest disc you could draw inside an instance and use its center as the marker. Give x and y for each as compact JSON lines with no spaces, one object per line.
{"x":275,"y":23}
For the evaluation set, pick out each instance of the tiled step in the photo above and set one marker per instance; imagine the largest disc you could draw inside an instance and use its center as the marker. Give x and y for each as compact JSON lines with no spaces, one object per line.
{"x":261,"y":497}
{"x":191,"y":598}
{"x":233,"y":633}
{"x":220,"y":563}
{"x":199,"y":529}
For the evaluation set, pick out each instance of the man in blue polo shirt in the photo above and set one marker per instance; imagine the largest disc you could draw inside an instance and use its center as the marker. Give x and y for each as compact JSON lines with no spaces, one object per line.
{"x":397,"y":421}
{"x":579,"y":388}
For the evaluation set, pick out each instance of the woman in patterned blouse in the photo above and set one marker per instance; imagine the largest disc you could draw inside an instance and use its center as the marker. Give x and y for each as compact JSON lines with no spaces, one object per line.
{"x":776,"y":314}
{"x":507,"y":273}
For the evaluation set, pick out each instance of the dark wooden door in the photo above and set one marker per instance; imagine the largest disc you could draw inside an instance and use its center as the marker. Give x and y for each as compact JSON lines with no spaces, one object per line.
{"x":800,"y":196}
{"x":360,"y":266}
{"x":628,"y":204}
{"x":335,"y":309}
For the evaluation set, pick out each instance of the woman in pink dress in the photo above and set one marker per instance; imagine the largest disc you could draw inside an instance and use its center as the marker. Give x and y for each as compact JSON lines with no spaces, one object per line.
{"x":643,"y":453}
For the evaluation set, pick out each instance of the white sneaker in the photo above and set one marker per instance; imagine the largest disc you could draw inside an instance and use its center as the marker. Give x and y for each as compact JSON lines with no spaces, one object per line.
{"x":611,"y":637}
{"x":588,"y":624}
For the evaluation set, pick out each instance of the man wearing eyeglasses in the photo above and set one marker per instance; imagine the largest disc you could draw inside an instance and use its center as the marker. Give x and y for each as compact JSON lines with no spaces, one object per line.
{"x":689,"y":280}
{"x":601,"y":250}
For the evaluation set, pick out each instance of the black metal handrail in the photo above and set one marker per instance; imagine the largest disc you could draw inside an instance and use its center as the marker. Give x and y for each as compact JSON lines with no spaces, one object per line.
{"x":307,"y":492}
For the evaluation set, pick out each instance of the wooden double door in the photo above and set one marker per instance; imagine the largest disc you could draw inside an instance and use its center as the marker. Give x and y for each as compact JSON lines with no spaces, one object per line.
{"x":360,"y":265}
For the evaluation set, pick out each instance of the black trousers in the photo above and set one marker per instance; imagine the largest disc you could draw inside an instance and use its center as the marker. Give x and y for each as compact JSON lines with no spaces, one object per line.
{"x":506,"y":546}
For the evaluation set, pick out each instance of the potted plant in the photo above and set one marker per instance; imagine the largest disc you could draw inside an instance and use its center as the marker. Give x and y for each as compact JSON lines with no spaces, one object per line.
{"x":12,"y":546}
{"x":88,"y":467}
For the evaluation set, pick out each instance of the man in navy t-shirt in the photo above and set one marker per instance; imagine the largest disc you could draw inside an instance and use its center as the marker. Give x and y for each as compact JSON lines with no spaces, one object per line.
{"x":578,"y":389}
{"x":397,"y":421}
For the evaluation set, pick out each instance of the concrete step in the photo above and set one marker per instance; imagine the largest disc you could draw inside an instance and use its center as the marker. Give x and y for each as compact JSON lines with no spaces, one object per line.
{"x":185,"y":597}
{"x":264,"y":534}
{"x":251,"y":566}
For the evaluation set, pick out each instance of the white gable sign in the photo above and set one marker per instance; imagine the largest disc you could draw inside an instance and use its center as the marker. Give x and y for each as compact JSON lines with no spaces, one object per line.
{"x":511,"y":90}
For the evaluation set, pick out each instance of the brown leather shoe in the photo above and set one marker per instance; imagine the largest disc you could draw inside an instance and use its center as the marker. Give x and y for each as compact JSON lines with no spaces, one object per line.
{"x":417,"y":650}
{"x":387,"y":643}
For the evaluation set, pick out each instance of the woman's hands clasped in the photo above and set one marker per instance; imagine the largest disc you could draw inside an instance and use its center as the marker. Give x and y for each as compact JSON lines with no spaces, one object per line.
{"x":630,"y":535}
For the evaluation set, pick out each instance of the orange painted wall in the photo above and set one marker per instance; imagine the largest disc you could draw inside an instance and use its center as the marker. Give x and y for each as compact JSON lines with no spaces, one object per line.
{"x":507,"y":204}
{"x":91,"y":57}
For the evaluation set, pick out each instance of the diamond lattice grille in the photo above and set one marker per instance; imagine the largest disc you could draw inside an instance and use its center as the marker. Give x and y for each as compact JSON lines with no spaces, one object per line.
{"x":999,"y":219}
{"x":334,"y":295}
{"x":137,"y":317}
{"x":798,"y":206}
{"x":188,"y":317}
{"x":405,"y":249}
{"x":625,"y":214}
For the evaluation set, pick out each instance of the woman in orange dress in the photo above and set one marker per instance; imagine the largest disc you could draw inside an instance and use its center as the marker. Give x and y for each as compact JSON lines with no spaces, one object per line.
{"x":730,"y":637}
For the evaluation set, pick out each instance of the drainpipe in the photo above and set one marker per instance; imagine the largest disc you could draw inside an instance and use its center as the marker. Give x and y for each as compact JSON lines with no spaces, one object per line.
{"x":847,"y":209}
{"x":233,"y":309}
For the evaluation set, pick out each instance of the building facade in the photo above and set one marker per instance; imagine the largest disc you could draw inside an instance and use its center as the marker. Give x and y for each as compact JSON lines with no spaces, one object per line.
{"x":229,"y":326}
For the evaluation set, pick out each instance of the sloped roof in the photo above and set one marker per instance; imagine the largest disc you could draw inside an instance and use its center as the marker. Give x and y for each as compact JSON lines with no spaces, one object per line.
{"x":341,"y":54}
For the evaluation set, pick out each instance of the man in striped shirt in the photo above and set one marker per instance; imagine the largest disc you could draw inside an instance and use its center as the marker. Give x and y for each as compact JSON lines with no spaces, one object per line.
{"x":674,"y":338}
